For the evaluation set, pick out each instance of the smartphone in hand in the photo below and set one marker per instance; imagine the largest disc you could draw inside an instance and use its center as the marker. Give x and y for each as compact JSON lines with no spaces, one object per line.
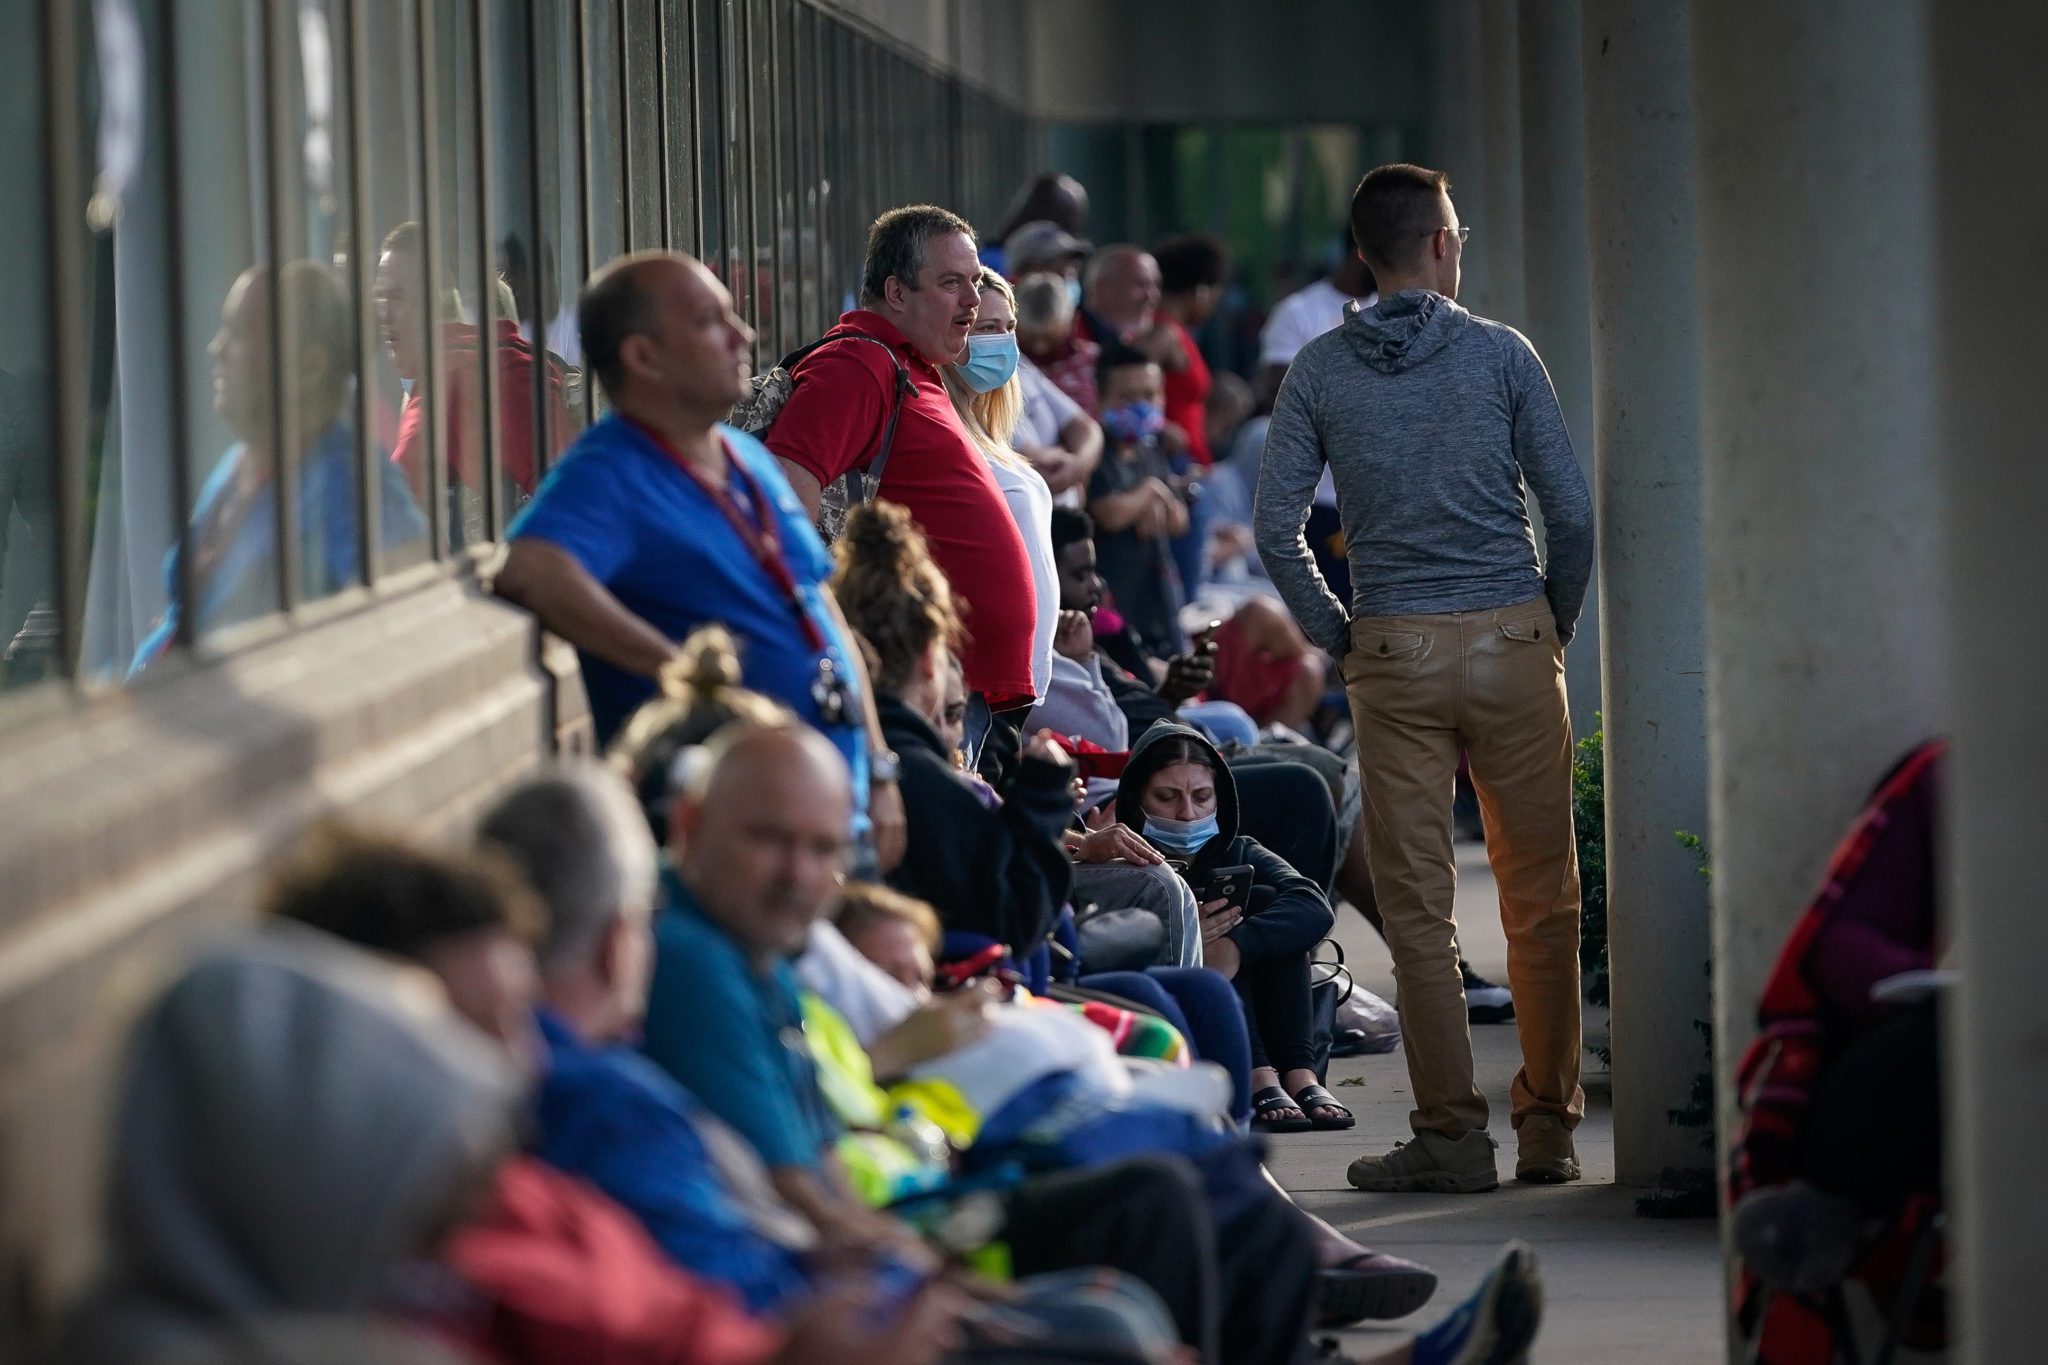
{"x":1230,"y":884}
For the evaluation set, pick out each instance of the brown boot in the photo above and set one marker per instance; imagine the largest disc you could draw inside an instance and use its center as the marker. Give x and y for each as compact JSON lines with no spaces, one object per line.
{"x":1546,"y":1156}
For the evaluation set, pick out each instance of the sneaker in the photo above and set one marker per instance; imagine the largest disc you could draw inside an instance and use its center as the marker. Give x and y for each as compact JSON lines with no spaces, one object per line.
{"x":1485,"y":1003}
{"x":1546,"y":1156}
{"x":1430,"y":1164}
{"x":1497,"y":1325}
{"x":1371,"y":1285}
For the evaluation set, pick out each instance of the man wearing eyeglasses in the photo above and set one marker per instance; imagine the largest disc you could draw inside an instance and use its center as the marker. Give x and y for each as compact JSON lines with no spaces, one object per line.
{"x":1431,"y":422}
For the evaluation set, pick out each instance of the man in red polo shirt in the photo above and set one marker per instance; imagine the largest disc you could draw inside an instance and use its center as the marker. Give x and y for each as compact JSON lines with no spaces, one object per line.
{"x":401,"y":314}
{"x":918,"y":297}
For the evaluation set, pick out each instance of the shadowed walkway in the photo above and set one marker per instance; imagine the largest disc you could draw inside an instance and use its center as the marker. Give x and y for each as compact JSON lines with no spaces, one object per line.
{"x":1619,"y":1290}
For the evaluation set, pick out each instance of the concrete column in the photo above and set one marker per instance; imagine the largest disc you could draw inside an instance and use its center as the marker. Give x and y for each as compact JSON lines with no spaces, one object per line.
{"x":1646,"y":402}
{"x":1555,"y":274}
{"x":1497,"y":220}
{"x":1991,"y":138}
{"x":1457,"y":138}
{"x":1825,"y":612}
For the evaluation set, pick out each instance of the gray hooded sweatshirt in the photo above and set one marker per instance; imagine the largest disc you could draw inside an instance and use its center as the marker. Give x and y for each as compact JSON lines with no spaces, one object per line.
{"x":1430,"y":420}
{"x":296,"y":1117}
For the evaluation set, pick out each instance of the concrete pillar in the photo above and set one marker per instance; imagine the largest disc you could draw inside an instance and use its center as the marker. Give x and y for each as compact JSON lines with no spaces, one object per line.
{"x":1497,"y":220}
{"x":1825,"y":612}
{"x":1553,"y":154}
{"x":1991,"y":138}
{"x":1646,"y":354}
{"x":1457,"y":139}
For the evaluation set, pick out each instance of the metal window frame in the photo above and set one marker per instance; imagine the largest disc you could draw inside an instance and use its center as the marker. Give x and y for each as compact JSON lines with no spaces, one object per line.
{"x":440,"y":534}
{"x":179,"y":418}
{"x":362,"y":291}
{"x":778,"y":218}
{"x":276,"y":160}
{"x":490,"y":467}
{"x":66,"y":303}
{"x":580,"y":41}
{"x":661,"y":117}
{"x":542,"y":308}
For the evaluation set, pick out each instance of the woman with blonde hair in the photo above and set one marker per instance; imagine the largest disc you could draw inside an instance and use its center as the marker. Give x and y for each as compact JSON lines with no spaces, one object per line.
{"x":990,"y":398}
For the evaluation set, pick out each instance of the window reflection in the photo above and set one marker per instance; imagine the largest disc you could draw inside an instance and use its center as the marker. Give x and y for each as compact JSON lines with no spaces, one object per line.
{"x":236,"y":524}
{"x":321,"y":304}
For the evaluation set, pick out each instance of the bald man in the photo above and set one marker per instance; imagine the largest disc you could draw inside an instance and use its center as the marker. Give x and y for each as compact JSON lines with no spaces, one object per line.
{"x":661,"y":519}
{"x":758,"y":843}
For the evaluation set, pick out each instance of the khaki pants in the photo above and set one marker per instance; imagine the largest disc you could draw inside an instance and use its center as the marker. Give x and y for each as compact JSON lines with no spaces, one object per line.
{"x":1490,"y":683}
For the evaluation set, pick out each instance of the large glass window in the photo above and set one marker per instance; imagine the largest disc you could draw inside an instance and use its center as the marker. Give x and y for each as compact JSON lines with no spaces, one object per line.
{"x":291,"y":300}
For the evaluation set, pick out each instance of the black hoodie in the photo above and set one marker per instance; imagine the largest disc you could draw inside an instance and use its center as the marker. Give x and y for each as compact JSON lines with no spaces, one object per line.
{"x":1288,"y":913}
{"x":1003,"y":873}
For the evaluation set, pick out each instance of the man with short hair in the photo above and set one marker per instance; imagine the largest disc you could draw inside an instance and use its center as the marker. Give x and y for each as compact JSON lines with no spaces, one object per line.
{"x":919,"y":296}
{"x":1120,"y":294}
{"x":1431,"y":420}
{"x":662,"y":519}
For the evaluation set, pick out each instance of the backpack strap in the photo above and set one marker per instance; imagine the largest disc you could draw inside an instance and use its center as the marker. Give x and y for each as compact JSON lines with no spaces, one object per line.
{"x":871,"y":476}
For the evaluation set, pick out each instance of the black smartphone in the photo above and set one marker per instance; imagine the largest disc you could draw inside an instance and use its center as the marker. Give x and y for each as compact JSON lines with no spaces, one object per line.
{"x":1232,"y":884}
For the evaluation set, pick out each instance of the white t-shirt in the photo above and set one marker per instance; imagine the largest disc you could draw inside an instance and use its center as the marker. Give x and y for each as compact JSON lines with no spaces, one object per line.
{"x":870,"y":1000}
{"x":1303,"y":316}
{"x":1047,"y":410}
{"x":1030,"y":504}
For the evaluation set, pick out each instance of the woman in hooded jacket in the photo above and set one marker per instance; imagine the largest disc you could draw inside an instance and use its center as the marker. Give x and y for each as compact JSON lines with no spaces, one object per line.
{"x":1178,"y":792}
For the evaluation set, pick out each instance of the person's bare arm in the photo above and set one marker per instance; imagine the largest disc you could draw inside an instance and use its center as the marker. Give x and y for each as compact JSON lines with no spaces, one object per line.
{"x":805,"y":484}
{"x":1115,"y":512}
{"x":546,"y":580}
{"x":1083,"y":437}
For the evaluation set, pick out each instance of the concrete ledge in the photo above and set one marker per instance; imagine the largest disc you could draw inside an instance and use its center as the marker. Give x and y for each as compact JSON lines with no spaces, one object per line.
{"x":133,"y":823}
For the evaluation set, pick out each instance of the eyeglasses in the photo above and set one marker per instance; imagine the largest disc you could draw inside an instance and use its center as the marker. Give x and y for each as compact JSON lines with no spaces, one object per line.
{"x":1462,"y":231}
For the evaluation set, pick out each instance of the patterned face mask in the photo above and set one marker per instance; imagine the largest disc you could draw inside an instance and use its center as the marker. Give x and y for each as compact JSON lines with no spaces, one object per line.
{"x":1130,"y":423}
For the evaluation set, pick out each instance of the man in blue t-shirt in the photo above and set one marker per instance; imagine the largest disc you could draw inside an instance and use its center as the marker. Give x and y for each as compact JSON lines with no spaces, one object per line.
{"x":662,"y":519}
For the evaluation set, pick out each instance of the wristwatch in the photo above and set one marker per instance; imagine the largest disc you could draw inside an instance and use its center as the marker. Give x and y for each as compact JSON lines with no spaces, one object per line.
{"x":884,"y":766}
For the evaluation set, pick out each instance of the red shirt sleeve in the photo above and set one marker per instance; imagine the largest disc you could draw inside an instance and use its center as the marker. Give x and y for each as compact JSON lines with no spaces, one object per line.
{"x":833,"y":419}
{"x":572,"y":1278}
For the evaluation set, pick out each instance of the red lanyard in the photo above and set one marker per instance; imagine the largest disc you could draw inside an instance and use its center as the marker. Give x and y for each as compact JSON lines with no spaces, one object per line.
{"x":759,"y":533}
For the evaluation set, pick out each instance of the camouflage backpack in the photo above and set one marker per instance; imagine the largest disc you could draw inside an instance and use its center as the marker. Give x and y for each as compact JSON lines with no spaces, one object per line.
{"x":756,"y":412}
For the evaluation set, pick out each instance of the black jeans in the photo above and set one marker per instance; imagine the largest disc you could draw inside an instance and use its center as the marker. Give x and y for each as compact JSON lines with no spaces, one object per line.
{"x":1277,"y":1011}
{"x":1242,"y":1293}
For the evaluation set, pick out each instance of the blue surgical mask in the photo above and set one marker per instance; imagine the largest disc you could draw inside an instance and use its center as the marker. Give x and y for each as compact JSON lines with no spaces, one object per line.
{"x":1074,"y":292}
{"x":991,"y":360}
{"x":1182,"y":836}
{"x":1132,"y":423}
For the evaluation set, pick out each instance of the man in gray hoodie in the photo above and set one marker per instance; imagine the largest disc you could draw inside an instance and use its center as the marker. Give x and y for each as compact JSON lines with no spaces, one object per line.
{"x":1432,"y":421}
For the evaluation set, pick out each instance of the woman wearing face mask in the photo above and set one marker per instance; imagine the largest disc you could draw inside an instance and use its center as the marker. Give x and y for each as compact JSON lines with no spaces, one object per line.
{"x":989,"y":398}
{"x":1178,"y":792}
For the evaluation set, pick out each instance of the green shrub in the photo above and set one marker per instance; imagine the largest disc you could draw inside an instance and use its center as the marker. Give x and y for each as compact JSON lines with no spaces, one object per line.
{"x":1589,"y":822}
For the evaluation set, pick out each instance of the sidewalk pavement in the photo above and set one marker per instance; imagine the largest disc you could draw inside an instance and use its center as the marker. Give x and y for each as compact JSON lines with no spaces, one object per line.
{"x":1618,"y":1289}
